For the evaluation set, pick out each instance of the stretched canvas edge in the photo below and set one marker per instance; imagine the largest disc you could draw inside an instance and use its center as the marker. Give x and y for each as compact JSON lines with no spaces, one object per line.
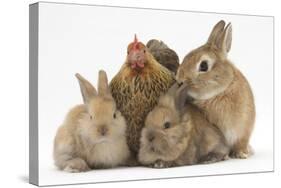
{"x":33,"y":93}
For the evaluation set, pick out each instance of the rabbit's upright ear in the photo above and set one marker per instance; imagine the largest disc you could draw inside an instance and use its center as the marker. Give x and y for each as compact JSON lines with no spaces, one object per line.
{"x":103,"y":88}
{"x":221,"y":37}
{"x":225,"y":40}
{"x":87,"y":90}
{"x":216,"y":32}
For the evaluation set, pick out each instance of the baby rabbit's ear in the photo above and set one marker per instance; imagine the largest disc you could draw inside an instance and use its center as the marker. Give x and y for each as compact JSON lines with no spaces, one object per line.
{"x":173,"y":89}
{"x":180,"y":98}
{"x":103,"y":87}
{"x":88,"y":91}
{"x":168,"y":99}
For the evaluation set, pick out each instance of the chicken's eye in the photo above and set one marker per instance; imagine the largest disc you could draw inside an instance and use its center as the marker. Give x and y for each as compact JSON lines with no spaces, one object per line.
{"x":203,"y":67}
{"x":167,"y":125}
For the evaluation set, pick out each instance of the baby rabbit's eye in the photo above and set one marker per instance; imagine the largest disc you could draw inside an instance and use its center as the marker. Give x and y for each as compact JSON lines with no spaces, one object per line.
{"x":91,"y":117}
{"x":114,"y":115}
{"x":203,"y":66}
{"x":167,"y":125}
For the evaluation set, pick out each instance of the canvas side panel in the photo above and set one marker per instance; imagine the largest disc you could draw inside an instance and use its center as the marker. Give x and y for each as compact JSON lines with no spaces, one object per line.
{"x":33,"y":93}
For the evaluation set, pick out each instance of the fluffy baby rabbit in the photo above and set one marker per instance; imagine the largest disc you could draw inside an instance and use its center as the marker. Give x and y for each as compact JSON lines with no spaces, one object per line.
{"x":220,"y":90}
{"x":176,"y":136}
{"x":93,"y":134}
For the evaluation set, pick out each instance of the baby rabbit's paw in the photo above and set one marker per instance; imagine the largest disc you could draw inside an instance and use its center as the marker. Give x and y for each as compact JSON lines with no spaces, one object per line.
{"x":213,"y":157}
{"x":161,"y":164}
{"x":76,"y":165}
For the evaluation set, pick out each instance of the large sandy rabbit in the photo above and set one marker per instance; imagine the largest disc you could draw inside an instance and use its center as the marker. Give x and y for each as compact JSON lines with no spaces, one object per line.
{"x":93,"y":134}
{"x":219,"y":89}
{"x":174,"y":135}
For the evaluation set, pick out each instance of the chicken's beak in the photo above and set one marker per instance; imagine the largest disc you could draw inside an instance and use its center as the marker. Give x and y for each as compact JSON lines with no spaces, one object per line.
{"x":136,"y":59}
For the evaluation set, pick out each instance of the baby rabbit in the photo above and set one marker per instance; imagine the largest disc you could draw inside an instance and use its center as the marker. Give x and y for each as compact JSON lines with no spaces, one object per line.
{"x":93,"y":134}
{"x":220,"y":90}
{"x":176,"y":136}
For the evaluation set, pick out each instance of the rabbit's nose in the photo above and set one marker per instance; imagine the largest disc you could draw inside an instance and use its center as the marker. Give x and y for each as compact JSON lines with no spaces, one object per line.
{"x":103,"y":130}
{"x":180,"y":83}
{"x":151,"y":137}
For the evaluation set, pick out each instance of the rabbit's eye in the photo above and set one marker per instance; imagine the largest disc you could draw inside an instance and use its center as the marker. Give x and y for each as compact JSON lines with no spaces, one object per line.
{"x":114,"y":115}
{"x":144,"y":51}
{"x":203,"y":66}
{"x":167,"y":125}
{"x":91,"y":117}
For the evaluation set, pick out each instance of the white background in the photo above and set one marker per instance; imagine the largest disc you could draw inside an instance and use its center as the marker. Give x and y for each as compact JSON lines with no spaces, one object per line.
{"x":77,"y":38}
{"x":14,"y":95}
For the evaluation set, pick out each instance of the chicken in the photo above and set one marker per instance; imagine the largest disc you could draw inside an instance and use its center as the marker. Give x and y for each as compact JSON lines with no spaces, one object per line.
{"x":137,"y":87}
{"x":163,"y":54}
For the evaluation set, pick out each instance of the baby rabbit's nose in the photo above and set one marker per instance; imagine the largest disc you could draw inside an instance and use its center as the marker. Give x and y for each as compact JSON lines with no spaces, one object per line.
{"x":103,"y":130}
{"x":180,"y":83}
{"x":151,"y":137}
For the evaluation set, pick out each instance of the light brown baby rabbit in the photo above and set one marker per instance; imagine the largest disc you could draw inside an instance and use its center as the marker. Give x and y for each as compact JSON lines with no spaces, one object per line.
{"x":93,"y":134}
{"x":176,"y":136}
{"x":220,"y":90}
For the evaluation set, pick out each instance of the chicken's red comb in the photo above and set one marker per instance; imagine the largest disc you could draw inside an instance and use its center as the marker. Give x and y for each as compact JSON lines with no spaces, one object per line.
{"x":135,"y":43}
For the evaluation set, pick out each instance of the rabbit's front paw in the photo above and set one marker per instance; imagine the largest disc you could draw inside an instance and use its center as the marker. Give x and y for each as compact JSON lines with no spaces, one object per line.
{"x":240,"y":154}
{"x":76,"y":165}
{"x":161,"y":164}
